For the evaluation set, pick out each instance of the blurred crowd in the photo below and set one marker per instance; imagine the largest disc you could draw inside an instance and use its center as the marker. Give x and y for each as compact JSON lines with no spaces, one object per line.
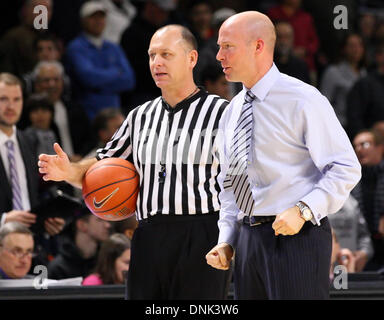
{"x":82,"y":75}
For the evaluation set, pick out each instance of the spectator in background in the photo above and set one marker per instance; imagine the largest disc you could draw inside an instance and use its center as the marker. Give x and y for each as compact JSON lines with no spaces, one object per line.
{"x":135,"y":42}
{"x":352,"y":232}
{"x":366,"y":29}
{"x":40,"y":113}
{"x":120,"y":14}
{"x":112,"y":262}
{"x":213,"y":79}
{"x":338,"y":79}
{"x":126,"y":226}
{"x":200,"y":21}
{"x":306,"y":40}
{"x":98,"y":68}
{"x":16,"y":250}
{"x":17,"y":55}
{"x":207,"y":54}
{"x":284,"y":57}
{"x":369,"y":192}
{"x":71,"y":124}
{"x":105,"y":124}
{"x":47,"y":48}
{"x":19,"y":176}
{"x":78,"y":252}
{"x":365,"y":100}
{"x":341,"y":256}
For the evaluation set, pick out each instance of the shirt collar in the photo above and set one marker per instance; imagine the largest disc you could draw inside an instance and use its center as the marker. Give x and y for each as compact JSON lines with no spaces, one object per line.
{"x":96,"y":41}
{"x":4,"y":138}
{"x":264,"y":85}
{"x":3,"y":275}
{"x":184,"y":103}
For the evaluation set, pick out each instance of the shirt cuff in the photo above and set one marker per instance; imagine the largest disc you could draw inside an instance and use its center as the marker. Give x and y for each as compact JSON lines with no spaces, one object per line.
{"x":317,"y":202}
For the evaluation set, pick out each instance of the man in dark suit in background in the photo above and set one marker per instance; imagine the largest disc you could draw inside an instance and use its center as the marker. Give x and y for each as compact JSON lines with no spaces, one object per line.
{"x":19,"y":178}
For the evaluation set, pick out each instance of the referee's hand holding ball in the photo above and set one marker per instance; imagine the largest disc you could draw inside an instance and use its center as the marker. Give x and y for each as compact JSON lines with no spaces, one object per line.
{"x":220,"y":256}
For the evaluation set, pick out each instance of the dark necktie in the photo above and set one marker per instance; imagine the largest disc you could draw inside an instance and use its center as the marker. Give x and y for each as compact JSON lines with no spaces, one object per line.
{"x":237,"y":177}
{"x":14,"y":178}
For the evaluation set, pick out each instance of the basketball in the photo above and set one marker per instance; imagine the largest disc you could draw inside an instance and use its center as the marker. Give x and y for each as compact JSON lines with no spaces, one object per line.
{"x":110,"y":189}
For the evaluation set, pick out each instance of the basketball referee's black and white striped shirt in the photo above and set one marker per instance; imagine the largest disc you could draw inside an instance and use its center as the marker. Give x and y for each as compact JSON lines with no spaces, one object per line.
{"x":175,"y":153}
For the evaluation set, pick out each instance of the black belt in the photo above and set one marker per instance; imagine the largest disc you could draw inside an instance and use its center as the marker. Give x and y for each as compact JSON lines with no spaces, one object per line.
{"x":256,"y":220}
{"x":170,"y":218}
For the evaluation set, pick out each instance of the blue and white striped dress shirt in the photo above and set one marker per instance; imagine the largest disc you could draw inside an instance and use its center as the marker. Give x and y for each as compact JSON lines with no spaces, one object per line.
{"x":299,"y":152}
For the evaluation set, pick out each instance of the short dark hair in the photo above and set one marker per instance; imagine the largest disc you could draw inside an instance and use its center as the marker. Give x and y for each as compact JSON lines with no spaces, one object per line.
{"x":377,"y":137}
{"x":126,"y":224}
{"x":38,"y":101}
{"x":110,"y":250}
{"x":46,"y":36}
{"x":101,"y":120}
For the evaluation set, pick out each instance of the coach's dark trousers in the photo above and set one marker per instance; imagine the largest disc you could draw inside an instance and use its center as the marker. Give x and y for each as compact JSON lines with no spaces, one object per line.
{"x":168,"y":259}
{"x":283,"y":267}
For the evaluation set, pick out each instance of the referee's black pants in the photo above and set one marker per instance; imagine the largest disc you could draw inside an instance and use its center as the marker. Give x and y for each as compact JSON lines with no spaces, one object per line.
{"x":283,"y":267}
{"x":168,"y":259}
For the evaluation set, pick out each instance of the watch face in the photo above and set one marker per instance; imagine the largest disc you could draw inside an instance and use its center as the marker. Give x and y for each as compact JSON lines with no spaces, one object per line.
{"x":307,"y":214}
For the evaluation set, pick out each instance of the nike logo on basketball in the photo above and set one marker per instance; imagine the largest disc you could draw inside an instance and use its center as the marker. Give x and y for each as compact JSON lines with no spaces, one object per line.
{"x":100,"y":204}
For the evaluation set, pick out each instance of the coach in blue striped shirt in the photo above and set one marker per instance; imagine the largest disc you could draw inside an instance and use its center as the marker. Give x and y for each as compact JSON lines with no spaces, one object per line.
{"x":301,"y":167}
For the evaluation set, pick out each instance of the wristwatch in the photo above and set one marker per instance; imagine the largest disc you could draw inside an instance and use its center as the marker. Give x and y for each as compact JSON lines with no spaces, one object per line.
{"x":305,"y":211}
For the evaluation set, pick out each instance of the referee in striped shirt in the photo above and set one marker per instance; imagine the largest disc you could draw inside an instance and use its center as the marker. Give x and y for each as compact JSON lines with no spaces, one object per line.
{"x":172,"y":142}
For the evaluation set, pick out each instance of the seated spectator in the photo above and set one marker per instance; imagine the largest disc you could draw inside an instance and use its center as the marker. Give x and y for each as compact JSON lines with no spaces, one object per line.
{"x":126,"y":226}
{"x":79,"y":248}
{"x":105,"y":124}
{"x":16,"y":250}
{"x":17,"y":55}
{"x":19,"y":175}
{"x":341,"y":256}
{"x":365,"y":100}
{"x":47,"y":48}
{"x":213,"y":79}
{"x":99,"y":70}
{"x":40,"y":113}
{"x":284,"y":58}
{"x":306,"y":39}
{"x":71,"y":123}
{"x":369,"y":192}
{"x":119,"y":17}
{"x":352,"y":232}
{"x":112,"y":262}
{"x":338,"y":78}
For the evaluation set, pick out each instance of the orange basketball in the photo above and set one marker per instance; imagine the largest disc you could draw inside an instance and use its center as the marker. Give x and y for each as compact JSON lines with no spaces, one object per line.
{"x":110,"y":189}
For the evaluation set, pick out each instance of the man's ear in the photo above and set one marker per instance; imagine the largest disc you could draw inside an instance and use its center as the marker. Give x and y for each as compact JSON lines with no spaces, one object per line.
{"x":193,"y":56}
{"x":259,"y":46}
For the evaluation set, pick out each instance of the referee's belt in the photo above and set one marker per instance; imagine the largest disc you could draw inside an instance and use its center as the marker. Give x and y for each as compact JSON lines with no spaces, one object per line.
{"x":257,"y":220}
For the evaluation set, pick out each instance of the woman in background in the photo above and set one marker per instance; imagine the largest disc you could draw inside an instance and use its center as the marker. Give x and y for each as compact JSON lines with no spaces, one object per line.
{"x":112,"y":262}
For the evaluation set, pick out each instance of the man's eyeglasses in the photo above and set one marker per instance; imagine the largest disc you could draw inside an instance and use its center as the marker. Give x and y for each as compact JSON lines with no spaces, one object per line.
{"x":18,"y":253}
{"x":363,"y":145}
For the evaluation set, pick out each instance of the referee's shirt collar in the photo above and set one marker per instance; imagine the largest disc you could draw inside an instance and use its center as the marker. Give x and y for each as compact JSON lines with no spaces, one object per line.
{"x":184,"y":103}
